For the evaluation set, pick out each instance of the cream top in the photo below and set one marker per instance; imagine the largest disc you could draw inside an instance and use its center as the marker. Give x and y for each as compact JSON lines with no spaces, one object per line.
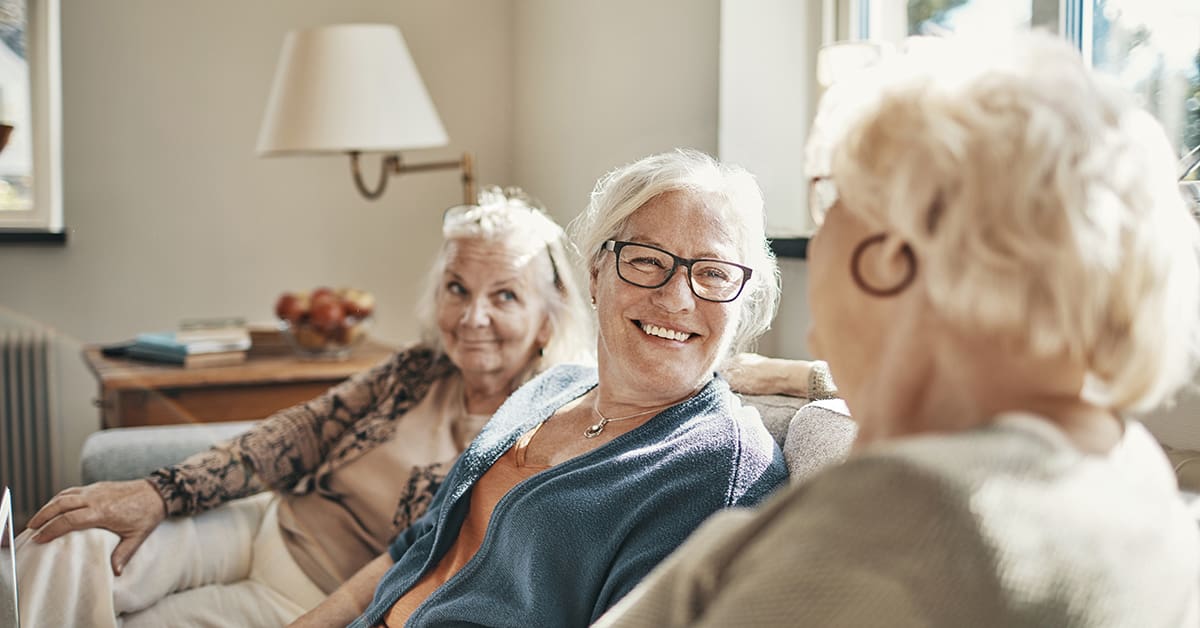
{"x":350,"y":519}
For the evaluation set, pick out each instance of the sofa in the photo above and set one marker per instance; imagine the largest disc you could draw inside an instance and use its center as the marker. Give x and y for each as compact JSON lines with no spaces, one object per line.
{"x":811,"y":435}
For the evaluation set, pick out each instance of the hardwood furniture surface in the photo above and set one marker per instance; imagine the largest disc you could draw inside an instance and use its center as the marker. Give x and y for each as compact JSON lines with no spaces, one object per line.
{"x":137,"y":393}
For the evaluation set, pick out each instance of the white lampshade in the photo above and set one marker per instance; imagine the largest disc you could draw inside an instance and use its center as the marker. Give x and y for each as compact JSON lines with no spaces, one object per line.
{"x":348,"y":87}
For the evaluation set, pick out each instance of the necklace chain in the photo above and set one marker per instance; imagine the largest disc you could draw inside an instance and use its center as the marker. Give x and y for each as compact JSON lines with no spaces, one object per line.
{"x":598,"y":427}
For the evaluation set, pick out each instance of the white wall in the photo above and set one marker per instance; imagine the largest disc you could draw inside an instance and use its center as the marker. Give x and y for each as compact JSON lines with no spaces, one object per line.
{"x":766,"y":103}
{"x":170,"y":213}
{"x":765,"y":108}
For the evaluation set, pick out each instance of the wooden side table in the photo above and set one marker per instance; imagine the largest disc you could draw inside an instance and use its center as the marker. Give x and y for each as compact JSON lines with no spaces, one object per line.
{"x":134,"y":393}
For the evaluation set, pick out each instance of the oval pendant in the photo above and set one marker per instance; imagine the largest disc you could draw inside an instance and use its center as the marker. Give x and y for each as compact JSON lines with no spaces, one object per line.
{"x":594,"y":430}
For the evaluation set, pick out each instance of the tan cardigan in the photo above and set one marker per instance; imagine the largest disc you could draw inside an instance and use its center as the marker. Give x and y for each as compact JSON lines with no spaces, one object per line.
{"x":1003,"y":526}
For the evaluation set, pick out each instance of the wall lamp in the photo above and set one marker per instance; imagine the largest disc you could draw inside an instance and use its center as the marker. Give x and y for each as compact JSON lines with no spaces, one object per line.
{"x":354,"y":89}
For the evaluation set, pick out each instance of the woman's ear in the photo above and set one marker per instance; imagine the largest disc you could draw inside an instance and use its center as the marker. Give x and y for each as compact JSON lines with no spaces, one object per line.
{"x":883,"y":265}
{"x":545,"y":333}
{"x":593,"y":276}
{"x":896,"y":257}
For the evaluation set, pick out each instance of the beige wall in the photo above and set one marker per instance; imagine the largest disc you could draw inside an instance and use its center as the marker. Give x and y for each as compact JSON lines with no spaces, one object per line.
{"x":170,"y":213}
{"x":600,"y":83}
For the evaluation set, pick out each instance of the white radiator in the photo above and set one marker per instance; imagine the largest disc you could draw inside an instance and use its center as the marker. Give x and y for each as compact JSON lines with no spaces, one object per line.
{"x":26,"y":395}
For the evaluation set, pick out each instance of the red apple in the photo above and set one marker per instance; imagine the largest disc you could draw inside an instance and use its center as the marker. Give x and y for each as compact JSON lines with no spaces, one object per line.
{"x":326,"y":314}
{"x":289,"y":307}
{"x":322,"y":293}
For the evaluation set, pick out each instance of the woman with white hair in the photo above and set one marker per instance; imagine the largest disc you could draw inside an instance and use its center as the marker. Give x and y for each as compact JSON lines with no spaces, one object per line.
{"x":587,"y":477}
{"x":1005,"y":273}
{"x":259,"y":529}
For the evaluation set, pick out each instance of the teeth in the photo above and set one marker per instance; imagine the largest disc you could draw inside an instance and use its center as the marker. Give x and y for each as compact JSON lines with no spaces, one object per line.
{"x":663,"y":332}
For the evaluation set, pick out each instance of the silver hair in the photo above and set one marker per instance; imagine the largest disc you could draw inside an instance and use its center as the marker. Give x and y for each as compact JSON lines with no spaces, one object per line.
{"x":516,"y":219}
{"x":623,"y":191}
{"x":1042,"y":203}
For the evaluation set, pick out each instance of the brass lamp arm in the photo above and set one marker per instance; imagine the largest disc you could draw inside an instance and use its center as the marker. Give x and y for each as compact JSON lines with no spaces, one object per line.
{"x":392,"y":164}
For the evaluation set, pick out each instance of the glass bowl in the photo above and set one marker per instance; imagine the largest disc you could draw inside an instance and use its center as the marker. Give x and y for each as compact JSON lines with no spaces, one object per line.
{"x":310,"y":342}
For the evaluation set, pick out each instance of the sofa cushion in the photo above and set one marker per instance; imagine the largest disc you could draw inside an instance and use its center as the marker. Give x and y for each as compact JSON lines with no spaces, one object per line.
{"x":812,"y":434}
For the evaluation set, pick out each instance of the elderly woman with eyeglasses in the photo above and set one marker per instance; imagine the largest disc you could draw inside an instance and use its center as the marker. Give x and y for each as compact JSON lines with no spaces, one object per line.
{"x":1005,"y":274}
{"x":587,"y":477}
{"x":338,"y":477}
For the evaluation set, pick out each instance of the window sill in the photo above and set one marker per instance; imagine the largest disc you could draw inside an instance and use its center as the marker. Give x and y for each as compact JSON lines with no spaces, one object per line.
{"x":793,"y":248}
{"x":33,"y":237}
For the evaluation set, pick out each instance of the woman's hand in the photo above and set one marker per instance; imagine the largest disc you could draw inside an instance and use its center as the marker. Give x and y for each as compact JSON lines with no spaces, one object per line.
{"x":130,"y":509}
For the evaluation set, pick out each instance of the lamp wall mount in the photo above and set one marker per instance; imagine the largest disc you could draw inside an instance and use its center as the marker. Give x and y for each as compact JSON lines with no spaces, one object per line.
{"x":393,"y":164}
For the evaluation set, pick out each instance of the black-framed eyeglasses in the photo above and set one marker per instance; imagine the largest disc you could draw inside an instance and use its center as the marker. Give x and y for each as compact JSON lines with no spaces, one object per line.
{"x":648,"y":266}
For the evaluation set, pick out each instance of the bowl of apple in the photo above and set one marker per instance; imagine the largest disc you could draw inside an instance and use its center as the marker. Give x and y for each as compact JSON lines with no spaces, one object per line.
{"x":325,"y":324}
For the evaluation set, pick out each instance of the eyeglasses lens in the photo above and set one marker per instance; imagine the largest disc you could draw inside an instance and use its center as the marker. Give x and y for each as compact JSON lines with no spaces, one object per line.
{"x":650,"y":268}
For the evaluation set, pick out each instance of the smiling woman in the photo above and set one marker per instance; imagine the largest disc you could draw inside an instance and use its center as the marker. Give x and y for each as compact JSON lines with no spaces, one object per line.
{"x":587,"y":477}
{"x":1005,"y":274}
{"x":502,"y":306}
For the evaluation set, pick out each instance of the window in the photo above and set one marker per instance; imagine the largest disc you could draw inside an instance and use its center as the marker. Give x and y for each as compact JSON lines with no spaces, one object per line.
{"x":768,"y":88}
{"x":1152,"y":47}
{"x":30,"y":160}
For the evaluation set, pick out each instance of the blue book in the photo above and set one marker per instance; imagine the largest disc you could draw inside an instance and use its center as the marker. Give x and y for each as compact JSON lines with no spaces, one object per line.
{"x":223,"y":358}
{"x":165,"y":343}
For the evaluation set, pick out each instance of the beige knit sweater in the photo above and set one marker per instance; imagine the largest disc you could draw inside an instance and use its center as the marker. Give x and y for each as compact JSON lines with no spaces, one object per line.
{"x":1007,"y":525}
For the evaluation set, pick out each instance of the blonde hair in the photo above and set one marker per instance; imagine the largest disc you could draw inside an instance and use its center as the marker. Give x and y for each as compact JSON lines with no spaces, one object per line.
{"x":623,"y":191}
{"x":516,"y":219}
{"x":1041,"y":202}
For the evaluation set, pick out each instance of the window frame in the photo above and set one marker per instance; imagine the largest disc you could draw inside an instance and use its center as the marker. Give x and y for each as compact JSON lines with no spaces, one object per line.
{"x":45,"y":221}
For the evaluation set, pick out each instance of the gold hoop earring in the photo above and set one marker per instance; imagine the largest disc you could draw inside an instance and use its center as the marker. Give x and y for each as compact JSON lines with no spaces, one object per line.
{"x":856,"y":271}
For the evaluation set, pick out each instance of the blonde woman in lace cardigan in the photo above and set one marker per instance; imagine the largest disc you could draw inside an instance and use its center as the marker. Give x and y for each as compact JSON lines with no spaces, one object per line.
{"x":1005,"y":274}
{"x":192,"y":544}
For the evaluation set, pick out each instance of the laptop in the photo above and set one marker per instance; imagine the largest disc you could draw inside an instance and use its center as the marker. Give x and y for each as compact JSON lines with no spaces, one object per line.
{"x":8,"y":565}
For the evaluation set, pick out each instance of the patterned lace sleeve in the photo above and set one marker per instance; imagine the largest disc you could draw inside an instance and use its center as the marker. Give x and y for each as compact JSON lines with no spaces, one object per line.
{"x":291,"y":443}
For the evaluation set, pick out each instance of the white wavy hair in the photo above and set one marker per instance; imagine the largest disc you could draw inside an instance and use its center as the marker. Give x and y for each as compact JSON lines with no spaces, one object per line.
{"x":623,"y":191}
{"x":1040,"y":200}
{"x":513,"y":217}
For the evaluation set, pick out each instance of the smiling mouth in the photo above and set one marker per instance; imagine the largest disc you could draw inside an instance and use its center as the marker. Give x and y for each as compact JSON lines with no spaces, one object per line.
{"x":663,"y":332}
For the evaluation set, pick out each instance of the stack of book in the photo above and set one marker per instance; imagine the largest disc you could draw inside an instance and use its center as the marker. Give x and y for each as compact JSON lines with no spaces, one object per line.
{"x":197,"y":343}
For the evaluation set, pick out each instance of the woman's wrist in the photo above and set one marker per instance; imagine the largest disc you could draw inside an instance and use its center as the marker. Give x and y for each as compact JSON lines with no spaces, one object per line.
{"x":820,"y":381}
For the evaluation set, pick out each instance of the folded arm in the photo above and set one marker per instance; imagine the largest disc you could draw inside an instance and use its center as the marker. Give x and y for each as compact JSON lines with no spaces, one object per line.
{"x":291,"y":444}
{"x":754,"y":374}
{"x":349,"y":600}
